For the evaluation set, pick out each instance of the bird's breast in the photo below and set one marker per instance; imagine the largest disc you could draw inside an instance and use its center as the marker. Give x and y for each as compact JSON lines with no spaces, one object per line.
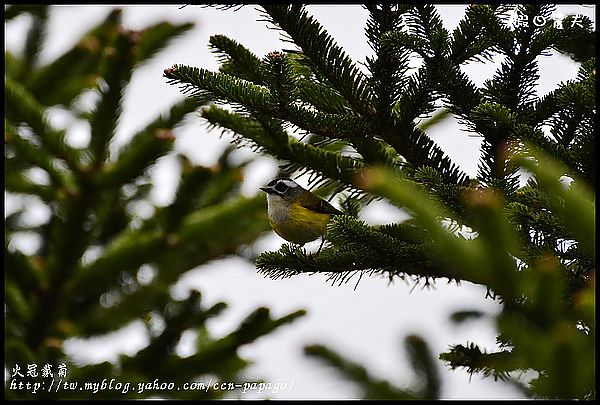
{"x":295,"y":223}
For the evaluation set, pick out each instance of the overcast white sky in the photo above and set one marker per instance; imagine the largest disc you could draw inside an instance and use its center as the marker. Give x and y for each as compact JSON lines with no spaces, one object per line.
{"x":369,"y":324}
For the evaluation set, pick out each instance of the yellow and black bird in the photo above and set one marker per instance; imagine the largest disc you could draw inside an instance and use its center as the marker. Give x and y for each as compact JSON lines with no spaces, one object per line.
{"x":296,"y":214}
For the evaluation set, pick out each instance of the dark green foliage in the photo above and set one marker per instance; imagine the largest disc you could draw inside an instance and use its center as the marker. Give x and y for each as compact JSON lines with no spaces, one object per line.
{"x":531,"y":245}
{"x":578,"y":39}
{"x":237,"y":60}
{"x":100,"y":266}
{"x":373,"y":388}
{"x":328,"y":60}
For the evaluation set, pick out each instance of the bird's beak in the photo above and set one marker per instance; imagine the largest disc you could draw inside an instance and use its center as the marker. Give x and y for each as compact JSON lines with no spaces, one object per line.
{"x":266,"y":190}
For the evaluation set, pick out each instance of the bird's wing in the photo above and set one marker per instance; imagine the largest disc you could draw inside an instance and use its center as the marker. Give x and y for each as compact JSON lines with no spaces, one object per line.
{"x":322,"y":206}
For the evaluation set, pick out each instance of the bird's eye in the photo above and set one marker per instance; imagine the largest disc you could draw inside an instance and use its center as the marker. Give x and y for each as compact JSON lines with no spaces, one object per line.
{"x":281,"y":187}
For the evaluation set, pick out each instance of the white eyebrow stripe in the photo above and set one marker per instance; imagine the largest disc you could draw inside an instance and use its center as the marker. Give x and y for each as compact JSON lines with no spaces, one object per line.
{"x":290,"y":183}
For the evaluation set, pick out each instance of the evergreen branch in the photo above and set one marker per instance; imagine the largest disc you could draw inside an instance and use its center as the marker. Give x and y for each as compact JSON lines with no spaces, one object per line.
{"x":412,"y":142}
{"x":178,"y":316}
{"x":419,"y":150}
{"x":542,"y":229}
{"x":268,"y":134}
{"x":126,"y":252}
{"x":34,"y":40}
{"x":345,"y":231}
{"x":237,"y":60}
{"x":426,"y":24}
{"x":439,"y":116}
{"x":500,"y":35}
{"x":377,"y":151}
{"x":222,"y":87}
{"x":281,"y":79}
{"x":146,"y":299}
{"x":256,"y":325}
{"x":554,"y":149}
{"x":578,"y":104}
{"x":338,"y":126}
{"x":400,"y":41}
{"x":30,"y":276}
{"x":20,"y":183}
{"x":547,"y":106}
{"x":13,"y":11}
{"x":371,"y":387}
{"x":21,"y":106}
{"x":461,"y":258}
{"x":199,"y":187}
{"x":496,"y":122}
{"x":325,"y":55}
{"x":451,"y":82}
{"x":424,"y":365}
{"x":153,"y":39}
{"x":47,"y":82}
{"x":249,"y":129}
{"x":322,"y":97}
{"x":566,"y":123}
{"x":132,"y":248}
{"x":583,"y":150}
{"x":450,"y":194}
{"x":29,"y":152}
{"x":469,"y":41}
{"x":244,"y":219}
{"x":327,"y":164}
{"x":116,"y":71}
{"x":359,"y":248}
{"x":416,"y":99}
{"x":338,"y":264}
{"x":146,"y":146}
{"x":16,"y":303}
{"x":513,"y":84}
{"x":574,"y":205}
{"x":578,"y":41}
{"x":497,"y":364}
{"x":388,"y":68}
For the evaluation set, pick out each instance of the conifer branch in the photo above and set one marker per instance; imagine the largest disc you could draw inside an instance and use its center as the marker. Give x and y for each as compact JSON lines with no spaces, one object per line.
{"x":469,"y":42}
{"x":203,"y":84}
{"x":426,"y":24}
{"x":372,"y":388}
{"x":21,"y":106}
{"x":153,"y":39}
{"x":34,"y":40}
{"x":19,"y":183}
{"x":322,"y":97}
{"x":388,"y":68}
{"x":116,"y":71}
{"x":49,"y":82}
{"x":497,"y":364}
{"x":145,"y":146}
{"x":338,"y":126}
{"x":237,"y":60}
{"x":268,"y":135}
{"x":330,"y":60}
{"x":35,"y":155}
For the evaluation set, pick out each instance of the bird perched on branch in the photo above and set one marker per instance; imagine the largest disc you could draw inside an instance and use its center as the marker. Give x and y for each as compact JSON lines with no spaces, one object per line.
{"x":296,"y":214}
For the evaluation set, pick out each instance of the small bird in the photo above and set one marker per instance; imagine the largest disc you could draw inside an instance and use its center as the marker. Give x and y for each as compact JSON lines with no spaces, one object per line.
{"x":296,"y":214}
